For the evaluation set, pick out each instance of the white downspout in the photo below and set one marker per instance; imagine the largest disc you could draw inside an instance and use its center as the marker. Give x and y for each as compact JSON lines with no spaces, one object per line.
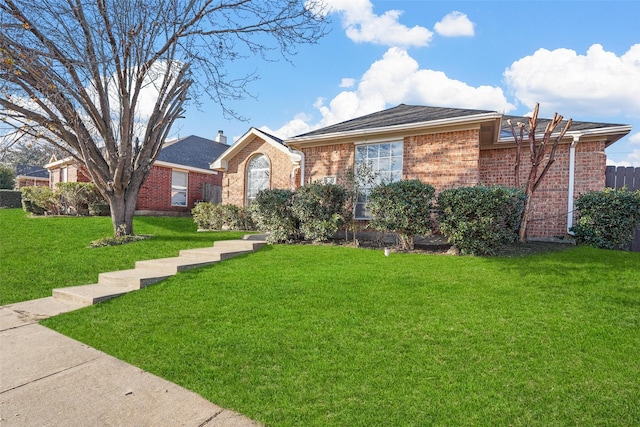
{"x":572,"y":177}
{"x":301,"y":154}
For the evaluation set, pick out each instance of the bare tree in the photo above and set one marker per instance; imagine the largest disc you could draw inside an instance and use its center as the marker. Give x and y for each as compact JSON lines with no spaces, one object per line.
{"x":538,"y":152}
{"x":79,"y":74}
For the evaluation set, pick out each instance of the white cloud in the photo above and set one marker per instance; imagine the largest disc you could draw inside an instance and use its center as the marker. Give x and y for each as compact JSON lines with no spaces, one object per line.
{"x":394,"y":79}
{"x":635,"y":138}
{"x":347,"y":82}
{"x":598,"y":83}
{"x":455,"y":24}
{"x":362,"y":25}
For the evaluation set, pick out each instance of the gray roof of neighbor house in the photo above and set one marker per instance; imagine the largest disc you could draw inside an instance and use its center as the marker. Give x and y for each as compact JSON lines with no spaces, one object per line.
{"x":193,"y":151}
{"x":32,"y":171}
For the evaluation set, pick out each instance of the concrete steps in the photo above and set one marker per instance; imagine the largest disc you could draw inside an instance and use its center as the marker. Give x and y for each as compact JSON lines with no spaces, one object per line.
{"x":149,"y":272}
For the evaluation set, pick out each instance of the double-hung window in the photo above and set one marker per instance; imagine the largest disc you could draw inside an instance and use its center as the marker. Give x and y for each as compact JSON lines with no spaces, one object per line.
{"x":381,"y":163}
{"x":179,"y":188}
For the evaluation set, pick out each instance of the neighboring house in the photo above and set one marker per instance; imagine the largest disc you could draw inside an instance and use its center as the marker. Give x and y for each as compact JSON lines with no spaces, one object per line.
{"x":179,"y":178}
{"x":444,"y":147}
{"x":31,"y":176}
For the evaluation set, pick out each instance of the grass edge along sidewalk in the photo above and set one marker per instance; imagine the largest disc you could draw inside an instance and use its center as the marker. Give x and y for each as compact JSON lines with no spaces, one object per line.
{"x":319,"y":335}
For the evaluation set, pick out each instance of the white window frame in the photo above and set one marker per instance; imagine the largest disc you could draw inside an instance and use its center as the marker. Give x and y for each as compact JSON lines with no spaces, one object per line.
{"x":177,"y":188}
{"x":329,"y":180}
{"x":249,"y":193}
{"x":386,"y":159}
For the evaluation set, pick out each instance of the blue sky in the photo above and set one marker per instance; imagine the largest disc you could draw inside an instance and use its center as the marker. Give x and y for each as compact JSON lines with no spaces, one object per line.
{"x":579,"y":58}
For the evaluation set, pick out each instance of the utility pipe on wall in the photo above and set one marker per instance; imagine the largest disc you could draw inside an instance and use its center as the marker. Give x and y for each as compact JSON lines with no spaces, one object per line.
{"x":572,"y":178}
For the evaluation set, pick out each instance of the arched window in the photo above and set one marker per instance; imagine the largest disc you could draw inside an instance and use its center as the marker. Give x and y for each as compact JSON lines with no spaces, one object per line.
{"x":257,"y":176}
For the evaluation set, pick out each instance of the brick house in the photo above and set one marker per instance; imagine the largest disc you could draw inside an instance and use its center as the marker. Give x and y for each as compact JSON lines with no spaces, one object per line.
{"x":31,"y":176}
{"x":444,"y":147}
{"x":179,"y":178}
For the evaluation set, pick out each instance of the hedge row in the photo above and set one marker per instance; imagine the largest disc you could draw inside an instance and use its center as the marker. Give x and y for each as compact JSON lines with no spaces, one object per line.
{"x":69,"y":198}
{"x":10,"y":199}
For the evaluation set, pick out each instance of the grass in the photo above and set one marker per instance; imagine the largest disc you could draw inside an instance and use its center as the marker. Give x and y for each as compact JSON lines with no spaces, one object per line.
{"x":335,"y":336}
{"x":38,"y":254}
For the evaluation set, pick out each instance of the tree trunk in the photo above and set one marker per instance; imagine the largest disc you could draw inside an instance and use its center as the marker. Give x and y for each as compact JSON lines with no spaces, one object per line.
{"x":123,"y":206}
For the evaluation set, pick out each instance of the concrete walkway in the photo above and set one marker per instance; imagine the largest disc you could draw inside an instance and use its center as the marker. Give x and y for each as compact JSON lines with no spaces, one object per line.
{"x":48,"y":379}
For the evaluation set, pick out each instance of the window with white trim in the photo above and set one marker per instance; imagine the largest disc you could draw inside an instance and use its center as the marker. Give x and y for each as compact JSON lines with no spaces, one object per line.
{"x":385,"y":163}
{"x":64,"y":174}
{"x":258,"y":171}
{"x":179,"y":181}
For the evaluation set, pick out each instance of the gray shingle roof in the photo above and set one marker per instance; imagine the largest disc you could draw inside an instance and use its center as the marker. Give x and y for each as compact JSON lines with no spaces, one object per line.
{"x":33,"y":171}
{"x":192,"y":151}
{"x":407,"y":114}
{"x":401,"y":115}
{"x":505,"y":130}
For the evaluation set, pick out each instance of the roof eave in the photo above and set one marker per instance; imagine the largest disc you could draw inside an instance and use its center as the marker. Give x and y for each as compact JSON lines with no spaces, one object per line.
{"x":617,"y":132}
{"x":222,"y":162}
{"x":395,"y":128}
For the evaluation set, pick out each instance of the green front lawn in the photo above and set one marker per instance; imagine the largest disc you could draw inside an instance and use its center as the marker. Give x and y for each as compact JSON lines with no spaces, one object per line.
{"x":39,"y":254}
{"x":322,"y":336}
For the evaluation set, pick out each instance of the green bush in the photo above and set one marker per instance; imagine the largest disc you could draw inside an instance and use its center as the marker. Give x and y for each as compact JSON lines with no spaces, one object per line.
{"x":607,"y":219}
{"x":319,"y":208}
{"x":403,"y":207}
{"x":272,"y":212}
{"x":10,"y":199}
{"x":209,"y":216}
{"x":7,"y":178}
{"x":40,"y":200}
{"x":80,"y":198}
{"x":477,"y":220}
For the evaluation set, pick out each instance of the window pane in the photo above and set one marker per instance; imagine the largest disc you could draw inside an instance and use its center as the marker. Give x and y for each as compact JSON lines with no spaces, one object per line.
{"x":257,"y":176}
{"x":385,"y":150}
{"x":361,"y":152}
{"x":179,"y":188}
{"x":396,"y":149}
{"x":372,"y":151}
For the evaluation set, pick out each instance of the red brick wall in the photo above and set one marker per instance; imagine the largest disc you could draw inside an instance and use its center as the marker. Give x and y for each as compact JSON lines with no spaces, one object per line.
{"x":155,"y":194}
{"x":444,"y":160}
{"x":233,"y":182}
{"x":30,"y":182}
{"x":75,"y":173}
{"x":328,"y":160}
{"x":549,"y":209}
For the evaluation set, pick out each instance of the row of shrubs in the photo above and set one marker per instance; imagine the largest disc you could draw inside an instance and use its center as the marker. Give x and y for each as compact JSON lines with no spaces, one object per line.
{"x":476,"y":220}
{"x":69,"y":198}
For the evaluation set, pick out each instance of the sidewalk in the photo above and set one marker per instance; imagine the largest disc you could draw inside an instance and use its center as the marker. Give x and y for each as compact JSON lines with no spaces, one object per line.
{"x":47,"y":379}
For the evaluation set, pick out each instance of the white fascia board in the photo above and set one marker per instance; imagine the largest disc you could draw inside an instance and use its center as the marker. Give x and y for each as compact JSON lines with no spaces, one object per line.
{"x":612,"y":130}
{"x":222,"y":162}
{"x":58,"y":163}
{"x":396,"y":128}
{"x":184,"y":168}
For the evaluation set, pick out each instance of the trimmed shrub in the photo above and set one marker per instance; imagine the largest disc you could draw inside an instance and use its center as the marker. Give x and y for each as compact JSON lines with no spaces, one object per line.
{"x":10,"y":199}
{"x":478,"y":220}
{"x":80,"y":198}
{"x":607,"y":219}
{"x":271,"y":212}
{"x":209,"y":216}
{"x":403,"y":207}
{"x":319,"y":208}
{"x":40,"y":200}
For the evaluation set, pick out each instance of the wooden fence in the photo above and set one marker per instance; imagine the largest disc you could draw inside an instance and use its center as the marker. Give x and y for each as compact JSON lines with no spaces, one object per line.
{"x":212,"y":193}
{"x":618,"y":177}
